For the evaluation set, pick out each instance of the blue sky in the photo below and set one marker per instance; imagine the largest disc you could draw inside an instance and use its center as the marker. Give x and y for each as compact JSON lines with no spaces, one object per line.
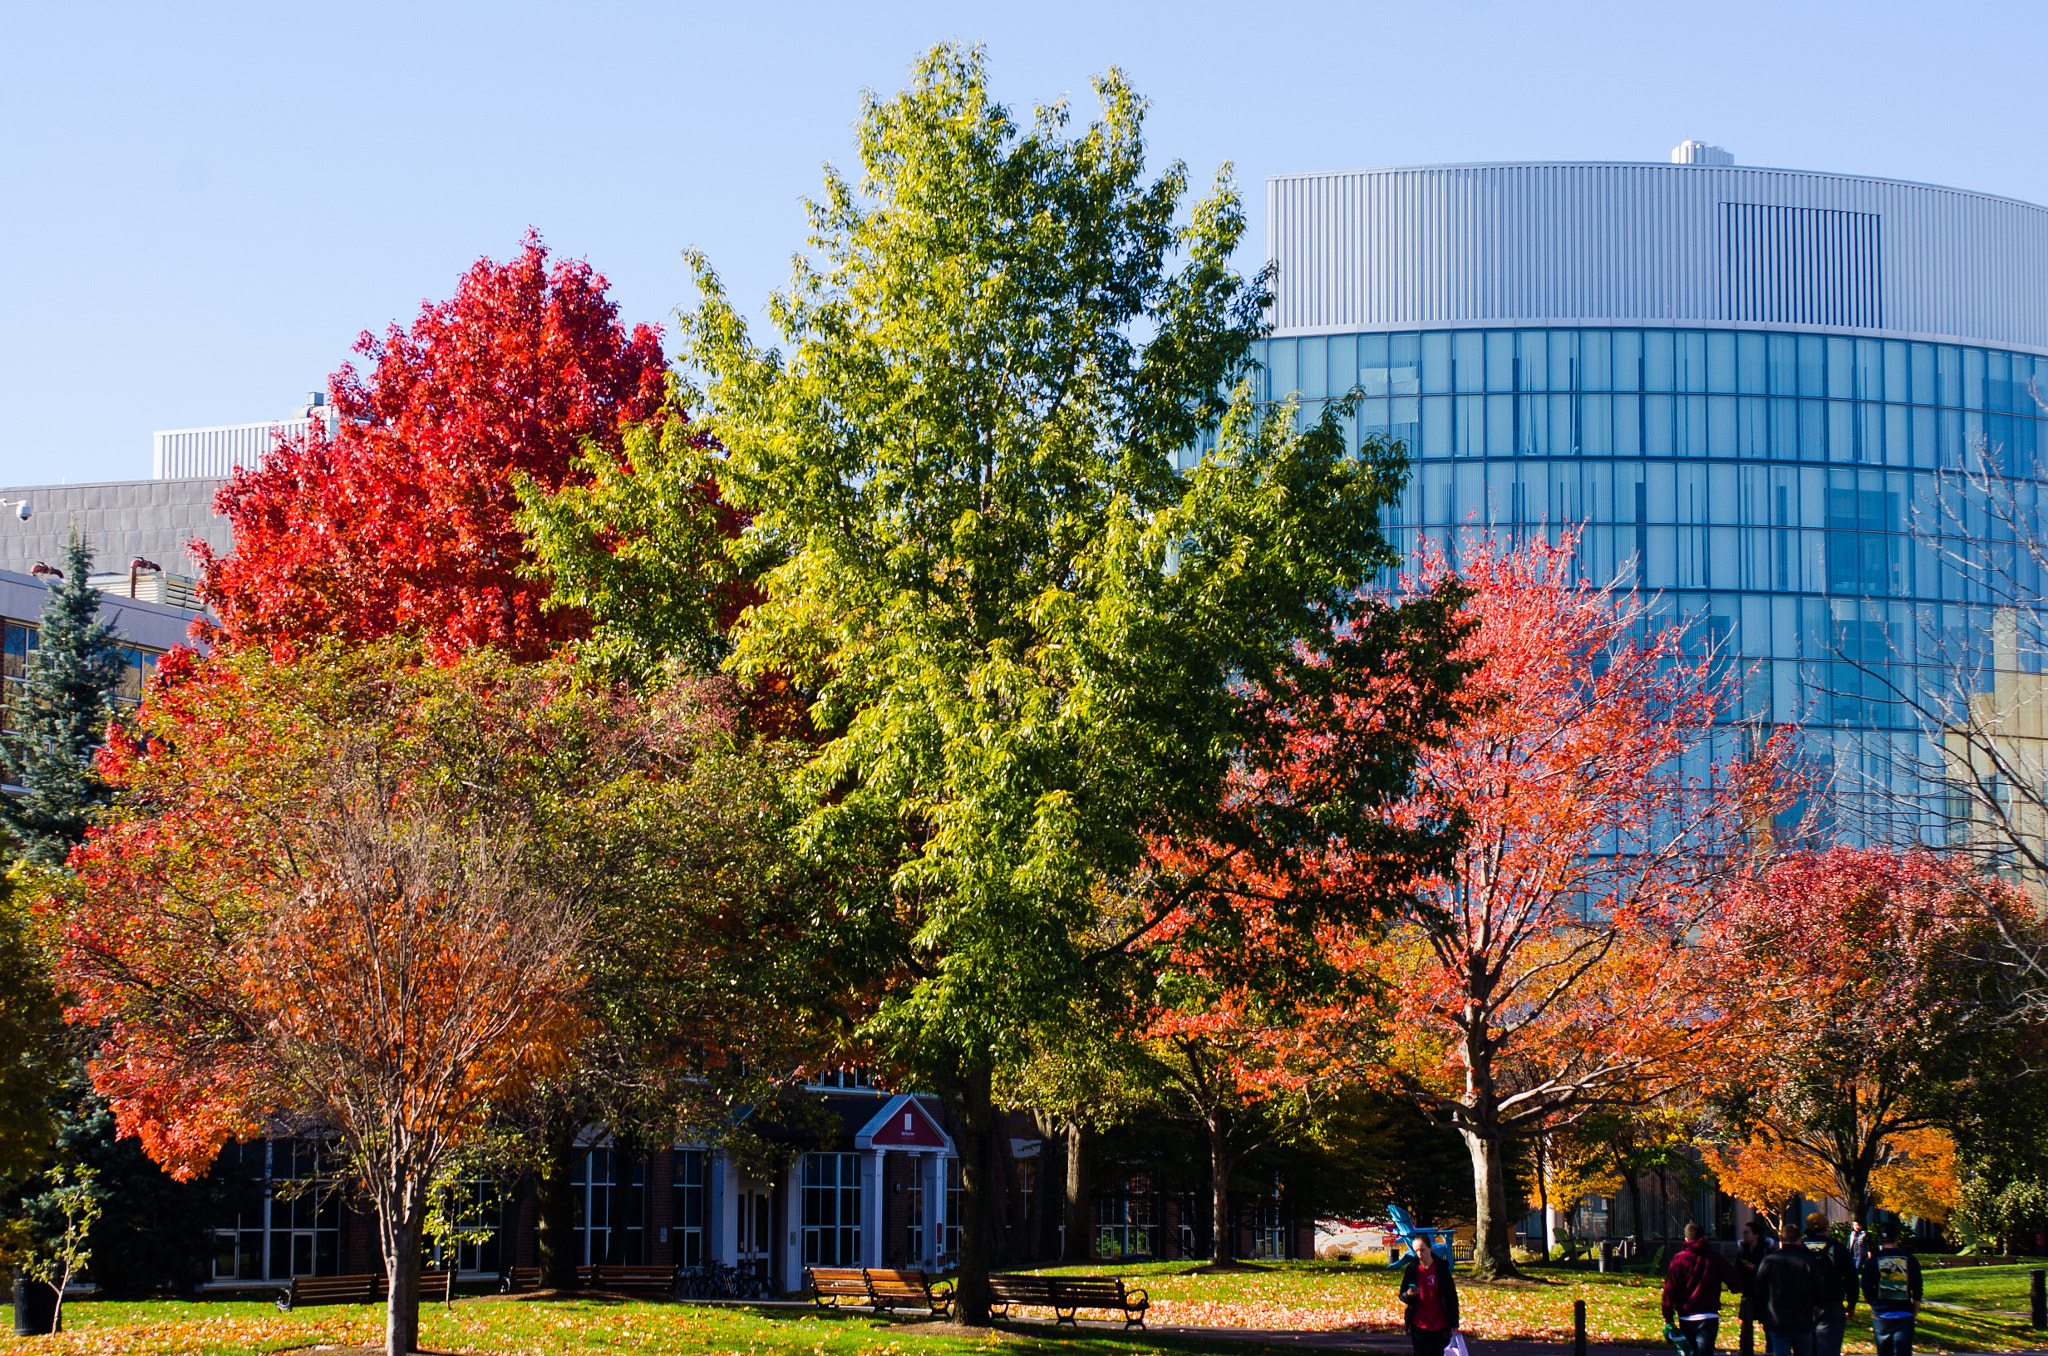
{"x":201,"y":205}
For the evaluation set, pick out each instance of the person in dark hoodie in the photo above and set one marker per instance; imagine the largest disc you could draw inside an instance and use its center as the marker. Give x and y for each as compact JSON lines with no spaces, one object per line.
{"x":1429,"y":1299}
{"x":1834,"y":1298}
{"x":1782,"y":1295}
{"x":1692,"y":1290}
{"x":1756,"y":1245}
{"x":1891,"y":1286}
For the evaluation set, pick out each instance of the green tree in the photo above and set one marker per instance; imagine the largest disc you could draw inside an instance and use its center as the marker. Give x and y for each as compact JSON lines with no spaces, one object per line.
{"x":31,"y":1031}
{"x":1027,"y":626}
{"x":67,"y":696}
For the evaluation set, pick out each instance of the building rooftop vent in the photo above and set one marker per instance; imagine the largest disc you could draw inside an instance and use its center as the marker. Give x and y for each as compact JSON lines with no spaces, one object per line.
{"x":1699,"y":153}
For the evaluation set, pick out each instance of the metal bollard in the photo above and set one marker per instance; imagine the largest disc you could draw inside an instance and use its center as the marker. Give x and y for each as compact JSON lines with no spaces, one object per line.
{"x":1578,"y":1328}
{"x":2040,"y":1279}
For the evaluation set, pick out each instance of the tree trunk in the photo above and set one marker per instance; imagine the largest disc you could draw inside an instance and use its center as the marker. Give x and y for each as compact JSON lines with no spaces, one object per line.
{"x":1223,"y":1234}
{"x":1543,"y":1190}
{"x":1635,"y":1200}
{"x":401,"y":1213}
{"x":977,"y":1198}
{"x":1492,"y":1238}
{"x":555,"y":1205}
{"x":1079,"y":1244}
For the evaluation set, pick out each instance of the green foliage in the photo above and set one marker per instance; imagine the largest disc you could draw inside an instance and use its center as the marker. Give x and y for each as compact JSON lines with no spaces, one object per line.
{"x":31,"y":1034}
{"x":1371,"y":1148}
{"x":67,"y":697}
{"x":73,"y":1197}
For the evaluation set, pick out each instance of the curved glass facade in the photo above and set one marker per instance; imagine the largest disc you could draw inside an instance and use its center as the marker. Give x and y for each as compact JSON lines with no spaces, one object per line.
{"x":1765,"y":485}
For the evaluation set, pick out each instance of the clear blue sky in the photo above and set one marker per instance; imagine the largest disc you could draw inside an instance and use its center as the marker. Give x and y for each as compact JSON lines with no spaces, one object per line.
{"x":204,"y":203}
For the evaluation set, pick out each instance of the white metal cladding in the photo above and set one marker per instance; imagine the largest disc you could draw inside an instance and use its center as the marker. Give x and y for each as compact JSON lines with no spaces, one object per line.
{"x":185,"y":453}
{"x":1503,"y":244}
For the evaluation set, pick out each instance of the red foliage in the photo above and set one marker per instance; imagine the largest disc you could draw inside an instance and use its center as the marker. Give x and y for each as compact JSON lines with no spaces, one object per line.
{"x":402,"y":520}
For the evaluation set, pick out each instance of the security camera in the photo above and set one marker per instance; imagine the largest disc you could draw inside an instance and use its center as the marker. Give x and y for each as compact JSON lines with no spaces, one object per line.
{"x":21,"y":510}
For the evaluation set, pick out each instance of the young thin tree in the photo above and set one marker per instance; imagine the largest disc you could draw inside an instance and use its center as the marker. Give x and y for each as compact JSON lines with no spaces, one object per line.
{"x":354,"y":893}
{"x":1022,"y":628}
{"x":67,"y":692}
{"x":1550,"y":970}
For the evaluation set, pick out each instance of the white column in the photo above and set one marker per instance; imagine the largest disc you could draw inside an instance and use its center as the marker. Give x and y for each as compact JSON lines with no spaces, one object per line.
{"x":934,"y":1168}
{"x":871,"y":1246}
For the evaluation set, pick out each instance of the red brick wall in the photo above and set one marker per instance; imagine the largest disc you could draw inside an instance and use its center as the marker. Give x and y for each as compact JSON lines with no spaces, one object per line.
{"x":661,"y":1208}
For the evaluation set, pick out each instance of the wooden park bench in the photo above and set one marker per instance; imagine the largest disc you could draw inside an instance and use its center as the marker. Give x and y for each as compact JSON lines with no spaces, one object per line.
{"x":1018,"y":1291}
{"x":519,"y":1278}
{"x":645,"y":1282}
{"x":892,"y":1290}
{"x":1071,"y":1293}
{"x":304,"y":1291}
{"x":831,"y":1287}
{"x":435,"y":1283}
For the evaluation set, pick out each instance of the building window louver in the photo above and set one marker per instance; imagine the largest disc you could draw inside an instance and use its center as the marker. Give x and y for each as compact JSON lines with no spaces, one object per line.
{"x":1803,"y":265}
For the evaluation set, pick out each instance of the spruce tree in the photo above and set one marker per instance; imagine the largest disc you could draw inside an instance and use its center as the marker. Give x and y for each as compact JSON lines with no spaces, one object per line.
{"x":67,"y":695}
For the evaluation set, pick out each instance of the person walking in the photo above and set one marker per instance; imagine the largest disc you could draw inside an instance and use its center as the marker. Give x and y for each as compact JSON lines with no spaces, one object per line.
{"x":1834,"y":1296}
{"x":1891,"y":1287}
{"x":1859,"y":1244}
{"x":1755,"y":1244}
{"x":1692,"y":1290}
{"x":1429,"y":1299}
{"x":1782,"y":1295}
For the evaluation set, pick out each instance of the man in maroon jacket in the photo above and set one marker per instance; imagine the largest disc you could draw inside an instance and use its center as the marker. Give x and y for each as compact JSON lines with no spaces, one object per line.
{"x":1692,"y":1290}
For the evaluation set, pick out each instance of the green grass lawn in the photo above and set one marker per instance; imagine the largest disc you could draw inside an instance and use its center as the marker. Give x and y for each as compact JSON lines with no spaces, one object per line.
{"x":1621,"y":1307}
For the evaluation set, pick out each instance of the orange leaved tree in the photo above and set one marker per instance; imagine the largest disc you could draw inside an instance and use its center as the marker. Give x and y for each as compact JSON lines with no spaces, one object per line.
{"x":1549,"y":969}
{"x":343,"y":895}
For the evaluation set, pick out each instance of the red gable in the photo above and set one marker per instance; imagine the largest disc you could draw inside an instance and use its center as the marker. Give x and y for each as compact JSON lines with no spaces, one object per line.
{"x":903,"y":1124}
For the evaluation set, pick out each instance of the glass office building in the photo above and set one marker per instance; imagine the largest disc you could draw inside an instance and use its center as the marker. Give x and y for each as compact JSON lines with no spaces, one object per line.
{"x":1741,"y":384}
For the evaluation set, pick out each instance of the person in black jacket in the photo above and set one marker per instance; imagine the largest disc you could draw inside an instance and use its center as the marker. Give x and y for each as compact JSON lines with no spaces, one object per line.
{"x":1834,"y":1299}
{"x":1756,"y":1245}
{"x":1891,"y":1286}
{"x":1782,"y":1295}
{"x":1429,"y":1299}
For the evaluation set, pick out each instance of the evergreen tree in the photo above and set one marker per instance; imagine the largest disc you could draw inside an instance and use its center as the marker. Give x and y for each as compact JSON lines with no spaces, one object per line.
{"x":66,"y":698}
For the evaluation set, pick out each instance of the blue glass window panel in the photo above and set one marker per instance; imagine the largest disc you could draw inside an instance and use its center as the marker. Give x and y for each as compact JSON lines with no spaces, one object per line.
{"x":1948,"y":379}
{"x":1841,"y":368}
{"x":1596,"y":425}
{"x":1468,"y":360}
{"x":1469,"y":507}
{"x":1869,"y":383}
{"x":1998,"y":382}
{"x":1628,"y":360}
{"x":1373,"y":418}
{"x":1691,"y":491}
{"x":1469,"y":431}
{"x":1812,"y":365}
{"x":1661,"y":563}
{"x":1505,"y":501}
{"x":1404,"y":364}
{"x":1657,"y":420}
{"x":1723,"y":503}
{"x":1405,"y":424}
{"x":1280,"y":363}
{"x":1436,"y":426}
{"x":1721,"y":426}
{"x":1691,"y":347}
{"x":1343,"y":364}
{"x":1436,"y":361}
{"x":1813,"y":430}
{"x":1720,"y":361}
{"x":1898,"y":439}
{"x":1785,"y":430}
{"x":1567,"y":501}
{"x":1897,"y":359}
{"x":1661,"y":493}
{"x":1690,"y":438}
{"x":1921,"y":389}
{"x":1564,"y":360}
{"x":1973,"y":379}
{"x":1784,"y":364}
{"x":1500,"y":360}
{"x":1595,"y":360}
{"x":1752,"y":427}
{"x":1948,"y":439}
{"x":1372,"y":364}
{"x":1532,"y":354}
{"x":1532,"y":426}
{"x":1500,"y":424}
{"x":1811,"y":502}
{"x":1628,"y":426}
{"x":1751,"y":371}
{"x":1439,"y":502}
{"x":1659,"y":373}
{"x":1724,"y":558}
{"x":1564,"y":425}
{"x":1313,"y":371}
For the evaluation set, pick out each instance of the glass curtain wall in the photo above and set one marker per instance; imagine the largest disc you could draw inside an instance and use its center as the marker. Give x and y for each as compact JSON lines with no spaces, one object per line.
{"x":1763,"y":485}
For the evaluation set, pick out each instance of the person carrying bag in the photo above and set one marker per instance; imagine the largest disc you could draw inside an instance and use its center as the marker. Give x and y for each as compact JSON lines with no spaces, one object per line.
{"x":1429,"y":1298}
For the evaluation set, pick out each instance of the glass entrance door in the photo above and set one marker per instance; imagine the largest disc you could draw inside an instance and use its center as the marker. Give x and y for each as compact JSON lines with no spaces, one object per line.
{"x":753,"y":1231}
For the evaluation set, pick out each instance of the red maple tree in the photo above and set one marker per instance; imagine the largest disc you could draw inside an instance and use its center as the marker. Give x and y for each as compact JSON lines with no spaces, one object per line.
{"x":402,"y":519}
{"x":1549,"y":969}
